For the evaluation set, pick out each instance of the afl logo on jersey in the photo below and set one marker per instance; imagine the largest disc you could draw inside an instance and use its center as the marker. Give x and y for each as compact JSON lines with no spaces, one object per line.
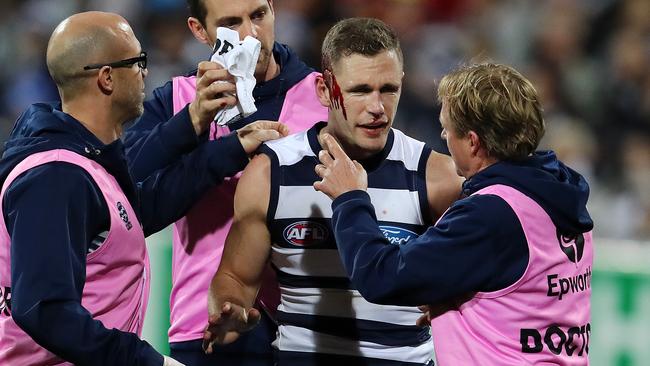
{"x":305,"y":233}
{"x":397,"y":235}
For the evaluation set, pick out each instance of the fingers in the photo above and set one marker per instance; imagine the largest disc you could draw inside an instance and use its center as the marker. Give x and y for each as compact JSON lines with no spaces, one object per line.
{"x":284,"y":130}
{"x":219,"y":89}
{"x":325,"y":158}
{"x":333,"y":147}
{"x":207,"y":342}
{"x":215,"y":90}
{"x":205,"y":66}
{"x":317,"y":185}
{"x":281,"y":128}
{"x":320,"y":170}
{"x":214,"y":84}
{"x":266,"y":135}
{"x":209,"y":335}
{"x":423,"y":321}
{"x":258,"y":132}
{"x":253,"y":317}
{"x":212,"y":106}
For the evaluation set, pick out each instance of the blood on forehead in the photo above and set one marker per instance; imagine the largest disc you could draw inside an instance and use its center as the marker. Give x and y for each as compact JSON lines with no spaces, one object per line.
{"x":336,"y":95}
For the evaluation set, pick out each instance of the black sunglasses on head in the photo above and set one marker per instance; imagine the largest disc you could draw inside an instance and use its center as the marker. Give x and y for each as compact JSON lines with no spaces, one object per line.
{"x":140,"y":60}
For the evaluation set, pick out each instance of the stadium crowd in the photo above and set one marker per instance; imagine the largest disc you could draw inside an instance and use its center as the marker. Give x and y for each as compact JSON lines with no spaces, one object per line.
{"x":588,"y":59}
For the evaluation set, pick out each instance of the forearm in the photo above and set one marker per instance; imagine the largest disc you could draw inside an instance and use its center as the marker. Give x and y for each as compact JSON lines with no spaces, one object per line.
{"x":169,"y":193}
{"x":372,"y":263}
{"x":66,"y":329}
{"x":226,"y":287}
{"x":478,"y":246}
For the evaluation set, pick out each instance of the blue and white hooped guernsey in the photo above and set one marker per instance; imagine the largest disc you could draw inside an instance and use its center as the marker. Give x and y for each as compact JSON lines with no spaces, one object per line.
{"x":321,"y":317}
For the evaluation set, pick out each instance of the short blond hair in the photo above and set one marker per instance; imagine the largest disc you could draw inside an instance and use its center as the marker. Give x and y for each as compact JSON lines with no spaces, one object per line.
{"x":499,"y":104}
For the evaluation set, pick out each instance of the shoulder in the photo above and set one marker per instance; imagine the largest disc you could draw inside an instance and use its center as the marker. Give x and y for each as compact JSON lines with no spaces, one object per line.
{"x":288,"y":150}
{"x":253,"y":189}
{"x":486,"y":210}
{"x":58,"y":176}
{"x":407,"y":149}
{"x":164,"y":91}
{"x":442,"y":167}
{"x":51,"y":183}
{"x":443,"y":183}
{"x":164,"y":94}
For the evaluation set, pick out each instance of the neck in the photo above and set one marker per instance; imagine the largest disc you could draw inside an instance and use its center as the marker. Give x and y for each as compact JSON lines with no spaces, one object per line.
{"x":95,"y":117}
{"x":273,"y":70}
{"x":354,"y":153}
{"x":482,"y":165}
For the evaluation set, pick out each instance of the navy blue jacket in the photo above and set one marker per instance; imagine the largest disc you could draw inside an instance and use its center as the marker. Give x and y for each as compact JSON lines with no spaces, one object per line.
{"x":54,"y":211}
{"x":478,"y":244}
{"x":159,"y":137}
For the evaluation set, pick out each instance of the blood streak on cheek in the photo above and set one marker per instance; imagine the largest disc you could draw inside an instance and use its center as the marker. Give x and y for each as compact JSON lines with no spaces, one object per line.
{"x":336,"y":95}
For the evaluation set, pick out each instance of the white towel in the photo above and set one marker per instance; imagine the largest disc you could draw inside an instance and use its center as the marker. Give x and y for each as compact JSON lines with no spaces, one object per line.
{"x":240,"y":59}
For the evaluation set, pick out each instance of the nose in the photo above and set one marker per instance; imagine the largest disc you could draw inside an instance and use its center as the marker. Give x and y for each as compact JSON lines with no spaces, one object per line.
{"x":247,"y":29}
{"x":375,"y":104}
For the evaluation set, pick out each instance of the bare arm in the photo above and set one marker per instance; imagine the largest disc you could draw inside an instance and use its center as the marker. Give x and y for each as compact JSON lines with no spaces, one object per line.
{"x":234,"y":287}
{"x":443,"y":184}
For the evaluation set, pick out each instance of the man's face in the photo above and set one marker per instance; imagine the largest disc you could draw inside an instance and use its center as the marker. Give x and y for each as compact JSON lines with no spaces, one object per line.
{"x":459,"y":147}
{"x":364,"y":92}
{"x":253,"y":18}
{"x":131,"y":93}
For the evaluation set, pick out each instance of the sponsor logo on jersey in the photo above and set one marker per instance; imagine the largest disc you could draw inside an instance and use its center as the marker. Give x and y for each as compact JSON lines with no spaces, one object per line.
{"x":305,"y":233}
{"x":124,"y":215}
{"x":560,"y":286}
{"x":572,"y":246}
{"x":397,"y":235}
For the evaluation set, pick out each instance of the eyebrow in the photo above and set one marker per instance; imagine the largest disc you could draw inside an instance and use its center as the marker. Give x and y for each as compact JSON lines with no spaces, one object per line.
{"x":365,"y":88}
{"x":235,"y":19}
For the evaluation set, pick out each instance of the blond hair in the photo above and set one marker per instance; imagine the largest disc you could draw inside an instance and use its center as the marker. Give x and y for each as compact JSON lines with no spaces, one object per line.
{"x":499,"y":104}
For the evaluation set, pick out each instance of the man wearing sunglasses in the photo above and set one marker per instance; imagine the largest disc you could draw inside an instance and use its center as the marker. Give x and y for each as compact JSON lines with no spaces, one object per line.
{"x":74,"y":271}
{"x":177,"y":120}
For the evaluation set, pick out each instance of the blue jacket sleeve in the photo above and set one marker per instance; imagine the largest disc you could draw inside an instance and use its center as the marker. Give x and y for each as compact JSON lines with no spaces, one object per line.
{"x":159,"y":137}
{"x":52,"y":213}
{"x":478,"y":245}
{"x":167,"y":194}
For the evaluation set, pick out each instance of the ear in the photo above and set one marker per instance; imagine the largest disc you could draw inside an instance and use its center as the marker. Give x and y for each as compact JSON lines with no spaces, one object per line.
{"x":105,"y":80}
{"x":474,"y":143}
{"x":323,"y":92}
{"x":199,"y":31}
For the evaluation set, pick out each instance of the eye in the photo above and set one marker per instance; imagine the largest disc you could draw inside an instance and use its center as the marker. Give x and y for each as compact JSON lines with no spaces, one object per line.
{"x":229,"y":23}
{"x":391,"y":89}
{"x":258,"y":15}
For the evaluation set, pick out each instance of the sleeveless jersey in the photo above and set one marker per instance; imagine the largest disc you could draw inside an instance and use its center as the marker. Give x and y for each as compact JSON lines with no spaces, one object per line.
{"x":320,"y":311}
{"x":199,"y":237}
{"x":543,"y":318}
{"x":117,"y":273}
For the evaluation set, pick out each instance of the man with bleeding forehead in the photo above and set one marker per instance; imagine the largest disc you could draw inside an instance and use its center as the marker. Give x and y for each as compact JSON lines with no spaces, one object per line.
{"x":280,"y":218}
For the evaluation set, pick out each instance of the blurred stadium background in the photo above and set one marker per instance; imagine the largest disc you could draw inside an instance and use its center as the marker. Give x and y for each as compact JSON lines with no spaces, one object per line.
{"x":589,"y":59}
